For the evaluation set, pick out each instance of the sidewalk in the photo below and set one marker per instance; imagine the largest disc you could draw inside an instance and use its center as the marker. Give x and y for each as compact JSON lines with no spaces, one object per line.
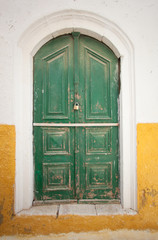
{"x":101,"y":235}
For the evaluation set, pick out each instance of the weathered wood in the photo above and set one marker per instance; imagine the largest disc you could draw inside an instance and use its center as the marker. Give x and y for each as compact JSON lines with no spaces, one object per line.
{"x":76,"y":151}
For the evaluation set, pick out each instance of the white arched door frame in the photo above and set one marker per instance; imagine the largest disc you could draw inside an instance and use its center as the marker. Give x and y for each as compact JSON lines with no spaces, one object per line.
{"x":33,"y":38}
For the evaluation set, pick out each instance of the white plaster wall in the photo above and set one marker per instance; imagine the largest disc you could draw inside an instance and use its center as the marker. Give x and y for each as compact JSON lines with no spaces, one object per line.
{"x":137,"y":18}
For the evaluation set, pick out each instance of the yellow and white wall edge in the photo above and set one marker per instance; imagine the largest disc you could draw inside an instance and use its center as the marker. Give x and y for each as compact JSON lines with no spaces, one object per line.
{"x":135,"y":43}
{"x":147,"y":193}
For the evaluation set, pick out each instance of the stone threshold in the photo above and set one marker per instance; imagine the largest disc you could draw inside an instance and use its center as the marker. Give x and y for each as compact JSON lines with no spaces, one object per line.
{"x":77,"y":209}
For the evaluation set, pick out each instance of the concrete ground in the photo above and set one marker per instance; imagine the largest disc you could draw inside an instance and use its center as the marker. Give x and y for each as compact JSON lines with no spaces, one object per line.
{"x":101,"y":235}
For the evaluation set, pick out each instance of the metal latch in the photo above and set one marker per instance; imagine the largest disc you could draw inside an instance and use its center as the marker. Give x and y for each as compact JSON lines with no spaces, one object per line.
{"x":76,"y":106}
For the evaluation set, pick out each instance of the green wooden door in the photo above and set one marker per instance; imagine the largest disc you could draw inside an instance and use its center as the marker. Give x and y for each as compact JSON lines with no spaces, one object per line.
{"x":76,"y":151}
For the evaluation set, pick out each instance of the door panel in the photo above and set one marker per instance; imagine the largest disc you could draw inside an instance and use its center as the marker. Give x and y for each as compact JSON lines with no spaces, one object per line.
{"x":56,"y":141}
{"x":75,"y":162}
{"x":54,"y":163}
{"x":98,"y":91}
{"x":53,"y":81}
{"x":98,"y":163}
{"x":98,"y":141}
{"x":55,"y":94}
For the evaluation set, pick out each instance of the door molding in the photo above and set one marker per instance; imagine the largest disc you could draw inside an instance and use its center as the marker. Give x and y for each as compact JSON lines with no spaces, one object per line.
{"x":32,"y":39}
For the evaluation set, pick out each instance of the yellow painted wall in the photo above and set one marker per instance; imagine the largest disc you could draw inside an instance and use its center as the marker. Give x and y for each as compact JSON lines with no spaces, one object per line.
{"x":147,"y":175}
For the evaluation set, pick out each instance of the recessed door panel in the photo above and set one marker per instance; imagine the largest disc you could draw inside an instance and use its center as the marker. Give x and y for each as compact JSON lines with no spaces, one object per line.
{"x":55,"y":92}
{"x":56,"y":141}
{"x":97,"y":87}
{"x":98,"y":141}
{"x":98,"y":176}
{"x":56,"y":176}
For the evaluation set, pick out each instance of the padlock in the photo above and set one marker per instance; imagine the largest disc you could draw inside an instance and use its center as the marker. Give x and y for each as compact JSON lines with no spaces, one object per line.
{"x":76,"y":106}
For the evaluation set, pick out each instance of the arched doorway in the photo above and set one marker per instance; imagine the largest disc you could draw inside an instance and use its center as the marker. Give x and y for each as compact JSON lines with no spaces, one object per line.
{"x":76,"y":120}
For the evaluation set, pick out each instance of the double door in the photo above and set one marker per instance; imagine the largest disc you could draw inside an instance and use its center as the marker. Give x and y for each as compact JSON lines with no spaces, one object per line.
{"x":76,"y":120}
